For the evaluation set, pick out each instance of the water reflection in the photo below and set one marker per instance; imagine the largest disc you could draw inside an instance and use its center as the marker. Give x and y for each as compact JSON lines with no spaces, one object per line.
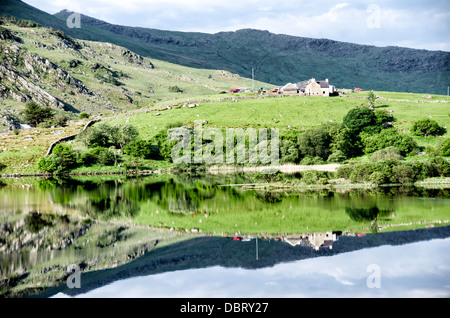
{"x":106,"y":223}
{"x":418,"y":270}
{"x":411,"y":262}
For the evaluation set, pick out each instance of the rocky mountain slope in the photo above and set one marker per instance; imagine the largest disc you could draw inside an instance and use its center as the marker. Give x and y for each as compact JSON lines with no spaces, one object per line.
{"x":49,"y":67}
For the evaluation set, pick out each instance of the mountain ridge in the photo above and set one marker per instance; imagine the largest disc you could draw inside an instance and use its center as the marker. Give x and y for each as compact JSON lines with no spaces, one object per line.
{"x":275,"y":58}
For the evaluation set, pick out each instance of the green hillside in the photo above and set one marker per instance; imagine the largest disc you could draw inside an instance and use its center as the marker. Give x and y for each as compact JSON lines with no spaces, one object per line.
{"x":46,"y":66}
{"x":275,"y":58}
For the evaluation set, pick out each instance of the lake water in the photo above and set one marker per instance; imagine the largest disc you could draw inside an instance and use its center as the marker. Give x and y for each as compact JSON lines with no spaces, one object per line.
{"x":203,"y":236}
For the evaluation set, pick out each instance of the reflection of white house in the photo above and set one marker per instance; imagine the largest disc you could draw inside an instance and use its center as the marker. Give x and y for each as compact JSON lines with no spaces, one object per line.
{"x":315,"y":240}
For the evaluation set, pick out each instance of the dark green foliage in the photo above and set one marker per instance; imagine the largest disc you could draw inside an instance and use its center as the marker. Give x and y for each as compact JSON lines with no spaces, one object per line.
{"x":84,"y":115}
{"x":383,"y":116}
{"x":104,"y":156}
{"x":315,"y":142}
{"x":314,"y":177}
{"x":175,"y":89}
{"x":343,"y":139}
{"x":35,"y":114}
{"x":394,"y":171}
{"x":35,"y":221}
{"x":308,"y":160}
{"x":337,"y":156}
{"x":445,"y":148}
{"x":67,"y":156}
{"x":427,"y":127}
{"x":359,"y":118}
{"x":105,"y":135}
{"x":142,"y":149}
{"x":61,"y":160}
{"x":27,"y":24}
{"x":86,"y":159}
{"x":165,"y":145}
{"x":288,"y":152}
{"x":366,"y":214}
{"x":387,"y":138}
{"x":371,"y":98}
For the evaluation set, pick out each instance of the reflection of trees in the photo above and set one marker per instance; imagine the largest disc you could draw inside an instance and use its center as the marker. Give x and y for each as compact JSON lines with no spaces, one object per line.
{"x":270,"y":196}
{"x":99,"y":200}
{"x":182,"y":198}
{"x":368,"y":215}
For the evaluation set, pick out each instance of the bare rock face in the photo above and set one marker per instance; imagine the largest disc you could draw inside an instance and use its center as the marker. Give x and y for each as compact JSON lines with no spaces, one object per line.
{"x":21,"y":72}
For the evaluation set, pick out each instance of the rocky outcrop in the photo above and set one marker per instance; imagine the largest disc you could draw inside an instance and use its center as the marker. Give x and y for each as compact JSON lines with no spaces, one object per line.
{"x":21,"y":73}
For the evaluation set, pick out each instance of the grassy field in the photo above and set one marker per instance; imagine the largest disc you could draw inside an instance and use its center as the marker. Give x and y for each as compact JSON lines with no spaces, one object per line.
{"x":294,"y":112}
{"x":279,"y":112}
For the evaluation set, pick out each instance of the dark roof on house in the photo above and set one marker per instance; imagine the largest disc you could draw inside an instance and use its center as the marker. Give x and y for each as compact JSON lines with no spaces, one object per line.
{"x":323,"y":84}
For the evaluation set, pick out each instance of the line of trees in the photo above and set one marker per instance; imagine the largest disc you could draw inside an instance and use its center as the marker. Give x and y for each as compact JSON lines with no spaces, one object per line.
{"x":363,"y":131}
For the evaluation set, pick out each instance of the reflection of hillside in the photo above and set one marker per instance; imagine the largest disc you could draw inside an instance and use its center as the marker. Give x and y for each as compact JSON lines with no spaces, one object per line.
{"x":202,"y":252}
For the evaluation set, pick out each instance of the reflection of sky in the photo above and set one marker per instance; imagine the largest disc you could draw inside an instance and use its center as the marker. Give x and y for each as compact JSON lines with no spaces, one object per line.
{"x":413,"y":270}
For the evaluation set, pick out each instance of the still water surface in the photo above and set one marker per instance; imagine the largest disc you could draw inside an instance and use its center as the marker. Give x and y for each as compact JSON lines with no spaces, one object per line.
{"x":412,"y":270}
{"x":197,"y":236}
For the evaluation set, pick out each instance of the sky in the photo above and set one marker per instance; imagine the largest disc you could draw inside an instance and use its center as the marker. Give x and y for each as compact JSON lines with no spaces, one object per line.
{"x":416,"y":270}
{"x":420,"y":24}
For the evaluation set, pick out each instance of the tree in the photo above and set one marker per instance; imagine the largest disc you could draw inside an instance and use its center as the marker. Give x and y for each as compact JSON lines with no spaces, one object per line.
{"x":427,"y":127}
{"x":35,"y":114}
{"x":445,"y":148}
{"x":359,"y":118}
{"x":387,"y":138}
{"x":142,"y":149}
{"x":315,"y":142}
{"x":371,"y":97}
{"x":104,"y":135}
{"x":127,"y":134}
{"x":62,"y":159}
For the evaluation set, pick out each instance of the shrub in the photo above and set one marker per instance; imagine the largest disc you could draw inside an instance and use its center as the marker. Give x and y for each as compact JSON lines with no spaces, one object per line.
{"x":104,"y":135}
{"x":62,"y":159}
{"x":86,"y":159}
{"x":402,"y":174}
{"x":386,"y":153}
{"x":49,"y":163}
{"x":35,"y":114}
{"x":288,"y":152}
{"x":383,"y":116}
{"x":379,"y":177}
{"x":337,"y":156}
{"x":314,"y":177}
{"x":308,"y":160}
{"x":387,"y":138}
{"x":371,"y":97}
{"x":445,"y":148}
{"x":142,"y":149}
{"x":315,"y":142}
{"x":358,"y":118}
{"x":427,"y":127}
{"x":343,"y":139}
{"x":175,"y":89}
{"x":104,"y":156}
{"x":61,"y":120}
{"x":165,"y":145}
{"x":84,"y":115}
